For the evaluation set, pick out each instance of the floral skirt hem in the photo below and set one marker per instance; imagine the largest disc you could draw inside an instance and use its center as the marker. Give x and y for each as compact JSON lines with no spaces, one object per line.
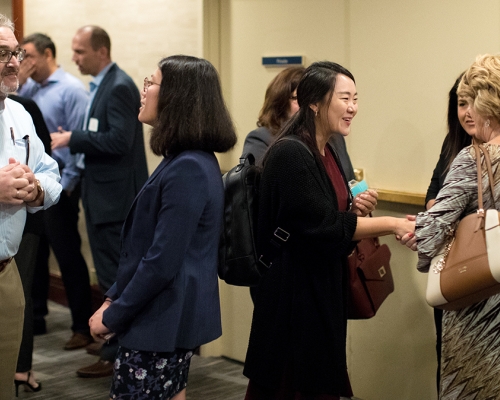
{"x":144,"y":375}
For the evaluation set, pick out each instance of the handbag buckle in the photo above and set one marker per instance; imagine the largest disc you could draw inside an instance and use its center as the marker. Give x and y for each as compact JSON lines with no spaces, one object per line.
{"x":382,"y":271}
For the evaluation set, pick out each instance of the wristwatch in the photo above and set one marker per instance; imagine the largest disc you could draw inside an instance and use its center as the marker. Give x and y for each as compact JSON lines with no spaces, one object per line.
{"x":39,"y":188}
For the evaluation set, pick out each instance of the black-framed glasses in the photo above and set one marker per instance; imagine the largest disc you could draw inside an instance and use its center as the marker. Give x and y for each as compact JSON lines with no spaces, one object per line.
{"x":148,"y":83}
{"x":6,"y":55}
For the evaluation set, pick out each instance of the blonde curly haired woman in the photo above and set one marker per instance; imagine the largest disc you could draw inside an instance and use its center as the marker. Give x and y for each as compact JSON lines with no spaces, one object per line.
{"x":470,"y":340}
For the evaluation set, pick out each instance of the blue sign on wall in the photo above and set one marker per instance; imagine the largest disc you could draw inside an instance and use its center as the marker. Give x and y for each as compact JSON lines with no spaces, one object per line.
{"x":285,"y":61}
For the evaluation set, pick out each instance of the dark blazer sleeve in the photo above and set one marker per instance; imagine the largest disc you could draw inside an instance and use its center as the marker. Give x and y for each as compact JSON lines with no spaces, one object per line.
{"x":337,"y":142}
{"x":257,"y":143}
{"x":116,"y":109}
{"x":182,"y":205}
{"x":438,"y":176}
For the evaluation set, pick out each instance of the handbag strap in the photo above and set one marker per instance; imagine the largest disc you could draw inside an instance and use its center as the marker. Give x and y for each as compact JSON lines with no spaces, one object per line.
{"x":480,"y":148}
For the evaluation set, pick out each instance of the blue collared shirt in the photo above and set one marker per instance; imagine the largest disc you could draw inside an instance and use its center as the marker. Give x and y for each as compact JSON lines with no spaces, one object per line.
{"x":62,"y":99}
{"x":15,"y":125}
{"x":94,"y":86}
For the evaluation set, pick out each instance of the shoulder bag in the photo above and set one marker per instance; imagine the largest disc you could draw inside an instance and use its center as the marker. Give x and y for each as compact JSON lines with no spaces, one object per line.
{"x":467,"y":270}
{"x":370,"y":278}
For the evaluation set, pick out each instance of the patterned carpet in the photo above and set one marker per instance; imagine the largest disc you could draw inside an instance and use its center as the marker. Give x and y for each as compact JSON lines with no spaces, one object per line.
{"x":209,"y":378}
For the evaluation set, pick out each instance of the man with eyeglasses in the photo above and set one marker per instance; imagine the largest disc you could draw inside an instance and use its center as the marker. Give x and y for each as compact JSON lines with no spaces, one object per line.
{"x":63,"y":100}
{"x":115,"y":162}
{"x":28,"y":182}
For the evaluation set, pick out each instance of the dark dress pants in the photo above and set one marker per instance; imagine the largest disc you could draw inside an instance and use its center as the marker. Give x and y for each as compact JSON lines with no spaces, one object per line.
{"x":26,"y":259}
{"x":40,"y":290}
{"x":61,"y":224}
{"x":105,"y":245}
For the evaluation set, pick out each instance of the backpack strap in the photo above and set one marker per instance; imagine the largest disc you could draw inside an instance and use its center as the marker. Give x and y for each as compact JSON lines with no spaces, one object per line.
{"x":296,"y":139}
{"x":280,"y":235}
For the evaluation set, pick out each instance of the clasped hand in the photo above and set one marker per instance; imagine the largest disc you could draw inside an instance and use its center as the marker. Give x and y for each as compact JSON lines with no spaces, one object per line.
{"x":17,"y":183}
{"x":59,"y":139}
{"x":408,"y":238}
{"x":97,"y":329}
{"x":364,"y":203}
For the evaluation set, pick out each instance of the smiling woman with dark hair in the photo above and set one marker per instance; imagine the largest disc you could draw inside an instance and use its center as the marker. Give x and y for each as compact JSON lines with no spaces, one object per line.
{"x":165,"y":302}
{"x":297,"y":341}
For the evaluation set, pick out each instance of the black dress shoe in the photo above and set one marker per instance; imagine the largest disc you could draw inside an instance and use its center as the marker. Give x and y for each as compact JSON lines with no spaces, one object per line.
{"x":98,"y":370}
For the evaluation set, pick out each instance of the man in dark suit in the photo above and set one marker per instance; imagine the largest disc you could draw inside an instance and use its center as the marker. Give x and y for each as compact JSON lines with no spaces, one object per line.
{"x":115,"y":162}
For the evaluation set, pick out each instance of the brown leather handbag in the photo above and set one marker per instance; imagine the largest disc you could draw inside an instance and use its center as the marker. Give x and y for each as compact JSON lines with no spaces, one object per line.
{"x":467,"y":270}
{"x":370,"y":278}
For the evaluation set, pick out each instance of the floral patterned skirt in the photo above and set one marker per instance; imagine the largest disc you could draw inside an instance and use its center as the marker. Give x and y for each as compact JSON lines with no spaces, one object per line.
{"x":147,"y":375}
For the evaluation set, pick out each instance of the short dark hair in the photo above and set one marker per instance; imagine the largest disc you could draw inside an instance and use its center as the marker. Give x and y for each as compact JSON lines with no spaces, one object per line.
{"x":276,"y":108}
{"x":316,"y":85}
{"x":41,"y":42}
{"x":98,"y":38}
{"x":457,"y":137}
{"x":192,"y":114}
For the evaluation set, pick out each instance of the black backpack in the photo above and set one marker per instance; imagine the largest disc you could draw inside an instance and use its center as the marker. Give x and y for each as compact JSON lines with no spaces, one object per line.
{"x":238,"y":259}
{"x":239,"y":262}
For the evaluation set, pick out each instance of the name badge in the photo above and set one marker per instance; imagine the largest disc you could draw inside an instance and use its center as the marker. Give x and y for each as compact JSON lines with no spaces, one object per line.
{"x":93,"y":124}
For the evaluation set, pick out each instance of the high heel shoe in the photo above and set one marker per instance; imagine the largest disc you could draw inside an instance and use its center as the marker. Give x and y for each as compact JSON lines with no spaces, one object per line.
{"x":27,"y":384}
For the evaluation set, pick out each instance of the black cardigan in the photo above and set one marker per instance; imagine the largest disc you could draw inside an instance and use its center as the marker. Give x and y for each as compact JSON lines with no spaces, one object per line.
{"x":300,"y":315}
{"x":438,"y":176}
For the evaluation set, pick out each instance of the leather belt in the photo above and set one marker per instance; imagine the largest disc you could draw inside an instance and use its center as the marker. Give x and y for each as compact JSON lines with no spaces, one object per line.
{"x":4,"y":263}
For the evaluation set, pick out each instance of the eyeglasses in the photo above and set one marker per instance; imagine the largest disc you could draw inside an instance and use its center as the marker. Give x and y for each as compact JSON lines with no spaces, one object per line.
{"x":6,"y":55}
{"x":148,"y":83}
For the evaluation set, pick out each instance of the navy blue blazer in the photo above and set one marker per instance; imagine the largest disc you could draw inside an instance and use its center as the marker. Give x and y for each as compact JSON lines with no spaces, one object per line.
{"x":166,"y":295}
{"x":115,"y":160}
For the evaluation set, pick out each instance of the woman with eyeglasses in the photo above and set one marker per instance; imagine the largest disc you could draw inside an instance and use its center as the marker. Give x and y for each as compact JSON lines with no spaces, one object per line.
{"x":165,"y":302}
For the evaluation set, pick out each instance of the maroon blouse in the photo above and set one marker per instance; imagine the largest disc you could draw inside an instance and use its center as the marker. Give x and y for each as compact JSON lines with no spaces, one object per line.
{"x":338,"y":182}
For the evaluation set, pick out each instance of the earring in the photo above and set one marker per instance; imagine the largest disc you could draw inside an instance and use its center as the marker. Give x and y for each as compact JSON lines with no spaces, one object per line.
{"x":487,"y":123}
{"x":316,"y":113}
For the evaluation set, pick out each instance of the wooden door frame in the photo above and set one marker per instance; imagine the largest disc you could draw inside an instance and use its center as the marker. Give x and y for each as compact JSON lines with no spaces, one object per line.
{"x":18,"y":18}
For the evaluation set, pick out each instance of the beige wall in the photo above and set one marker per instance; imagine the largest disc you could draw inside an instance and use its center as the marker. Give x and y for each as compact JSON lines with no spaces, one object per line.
{"x":405,"y":56}
{"x":141,"y":34}
{"x":6,"y":7}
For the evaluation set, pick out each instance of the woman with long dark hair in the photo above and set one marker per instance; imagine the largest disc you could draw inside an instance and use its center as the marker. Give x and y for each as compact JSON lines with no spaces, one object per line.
{"x":461,"y":130}
{"x":165,"y":302}
{"x":298,"y":336}
{"x":280,"y":104}
{"x":470,"y":340}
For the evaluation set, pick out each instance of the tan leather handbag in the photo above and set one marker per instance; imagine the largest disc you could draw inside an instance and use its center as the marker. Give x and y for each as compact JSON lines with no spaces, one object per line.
{"x":467,"y":270}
